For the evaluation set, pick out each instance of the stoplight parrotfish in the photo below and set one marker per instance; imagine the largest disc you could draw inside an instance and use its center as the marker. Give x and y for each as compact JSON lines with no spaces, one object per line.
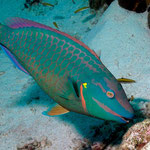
{"x":66,"y":69}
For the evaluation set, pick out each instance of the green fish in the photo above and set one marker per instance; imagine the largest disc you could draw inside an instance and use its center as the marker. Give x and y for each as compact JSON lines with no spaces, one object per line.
{"x":66,"y":69}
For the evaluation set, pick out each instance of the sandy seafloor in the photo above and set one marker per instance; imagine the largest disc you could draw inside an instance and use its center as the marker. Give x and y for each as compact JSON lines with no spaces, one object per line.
{"x":123,"y":39}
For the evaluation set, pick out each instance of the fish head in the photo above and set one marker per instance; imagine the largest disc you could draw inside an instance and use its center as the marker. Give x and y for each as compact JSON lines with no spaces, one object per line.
{"x":106,"y":99}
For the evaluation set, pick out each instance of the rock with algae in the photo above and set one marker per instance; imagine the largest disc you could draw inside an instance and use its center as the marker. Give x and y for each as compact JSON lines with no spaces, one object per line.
{"x":96,"y":4}
{"x":137,"y":137}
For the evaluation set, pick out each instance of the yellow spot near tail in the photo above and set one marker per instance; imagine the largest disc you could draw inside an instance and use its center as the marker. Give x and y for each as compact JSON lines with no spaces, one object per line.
{"x":85,"y":85}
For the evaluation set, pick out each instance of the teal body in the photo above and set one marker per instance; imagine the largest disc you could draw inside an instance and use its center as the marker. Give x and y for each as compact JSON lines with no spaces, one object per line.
{"x":66,"y":69}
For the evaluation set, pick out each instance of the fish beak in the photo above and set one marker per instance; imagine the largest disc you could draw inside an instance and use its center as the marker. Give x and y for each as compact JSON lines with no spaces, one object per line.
{"x":125,"y":120}
{"x":109,"y":110}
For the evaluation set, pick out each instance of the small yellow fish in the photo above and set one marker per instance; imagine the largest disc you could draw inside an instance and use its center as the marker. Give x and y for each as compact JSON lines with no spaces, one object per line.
{"x":80,"y":9}
{"x":55,"y":24}
{"x":125,"y":80}
{"x":131,"y":98}
{"x":47,"y":4}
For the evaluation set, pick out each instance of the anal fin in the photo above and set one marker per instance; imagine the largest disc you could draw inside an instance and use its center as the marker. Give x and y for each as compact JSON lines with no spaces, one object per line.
{"x":13,"y":59}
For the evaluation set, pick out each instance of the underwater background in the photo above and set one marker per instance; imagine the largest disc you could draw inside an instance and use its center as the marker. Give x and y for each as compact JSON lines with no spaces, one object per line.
{"x":120,"y":37}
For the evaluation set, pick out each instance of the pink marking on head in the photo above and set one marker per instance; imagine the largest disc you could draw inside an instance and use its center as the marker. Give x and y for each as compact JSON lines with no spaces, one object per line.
{"x":107,"y":109}
{"x":100,"y":85}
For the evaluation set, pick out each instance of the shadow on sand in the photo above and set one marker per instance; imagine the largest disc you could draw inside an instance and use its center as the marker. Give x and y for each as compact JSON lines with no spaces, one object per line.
{"x":94,"y":130}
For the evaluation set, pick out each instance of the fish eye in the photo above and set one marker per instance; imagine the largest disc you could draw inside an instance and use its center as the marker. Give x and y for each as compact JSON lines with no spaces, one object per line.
{"x":110,"y":94}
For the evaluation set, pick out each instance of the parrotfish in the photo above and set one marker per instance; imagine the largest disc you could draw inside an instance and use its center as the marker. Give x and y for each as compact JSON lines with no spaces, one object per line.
{"x":66,"y":69}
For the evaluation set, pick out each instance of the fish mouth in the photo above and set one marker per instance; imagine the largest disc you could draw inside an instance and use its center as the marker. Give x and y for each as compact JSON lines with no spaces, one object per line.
{"x":126,"y":120}
{"x":107,"y":109}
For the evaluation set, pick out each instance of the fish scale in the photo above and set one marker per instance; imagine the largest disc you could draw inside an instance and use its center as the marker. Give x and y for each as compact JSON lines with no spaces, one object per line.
{"x":49,"y":55}
{"x":60,"y":64}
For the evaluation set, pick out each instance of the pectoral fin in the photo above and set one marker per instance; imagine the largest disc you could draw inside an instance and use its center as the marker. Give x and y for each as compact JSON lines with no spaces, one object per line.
{"x":56,"y":110}
{"x":66,"y":89}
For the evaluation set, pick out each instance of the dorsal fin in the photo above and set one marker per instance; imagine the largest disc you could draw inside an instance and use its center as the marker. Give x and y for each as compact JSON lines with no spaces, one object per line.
{"x":15,"y":22}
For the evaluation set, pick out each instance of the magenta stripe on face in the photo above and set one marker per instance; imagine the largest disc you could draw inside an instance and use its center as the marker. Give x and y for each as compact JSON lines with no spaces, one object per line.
{"x":107,"y":109}
{"x":100,"y":85}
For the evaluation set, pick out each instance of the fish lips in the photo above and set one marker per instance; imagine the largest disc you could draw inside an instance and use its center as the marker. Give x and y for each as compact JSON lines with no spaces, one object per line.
{"x":119,"y":118}
{"x":127,"y":117}
{"x":126,"y":120}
